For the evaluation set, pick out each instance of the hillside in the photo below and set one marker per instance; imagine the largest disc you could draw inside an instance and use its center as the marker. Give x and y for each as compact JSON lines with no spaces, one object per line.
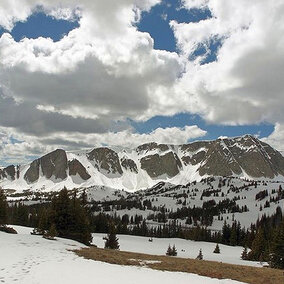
{"x":29,"y":259}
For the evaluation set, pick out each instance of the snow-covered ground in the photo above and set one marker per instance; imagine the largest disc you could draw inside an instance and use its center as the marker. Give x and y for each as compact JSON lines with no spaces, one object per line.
{"x":28,"y":259}
{"x":191,"y":249}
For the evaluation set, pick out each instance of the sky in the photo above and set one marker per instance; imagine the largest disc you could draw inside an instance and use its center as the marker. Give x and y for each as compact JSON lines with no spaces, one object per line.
{"x":80,"y":74}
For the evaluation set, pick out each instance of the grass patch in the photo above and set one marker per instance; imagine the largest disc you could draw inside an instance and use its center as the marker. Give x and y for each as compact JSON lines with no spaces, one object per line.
{"x":201,"y":267}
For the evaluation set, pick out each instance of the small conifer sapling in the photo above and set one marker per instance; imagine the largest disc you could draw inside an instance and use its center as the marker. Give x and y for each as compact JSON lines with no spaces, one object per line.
{"x":200,"y":255}
{"x":169,"y":250}
{"x":244,"y":255}
{"x":217,"y":249}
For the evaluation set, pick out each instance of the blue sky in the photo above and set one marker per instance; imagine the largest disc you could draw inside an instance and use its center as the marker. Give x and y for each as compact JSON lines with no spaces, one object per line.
{"x":213,"y":131}
{"x":156,"y":22}
{"x":41,"y":25}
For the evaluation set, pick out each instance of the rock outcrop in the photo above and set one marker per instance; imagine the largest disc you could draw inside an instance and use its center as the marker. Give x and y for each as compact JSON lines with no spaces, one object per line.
{"x":130,"y":165}
{"x":156,"y":165}
{"x":8,"y":172}
{"x":76,"y":168}
{"x":106,"y":161}
{"x":53,"y":165}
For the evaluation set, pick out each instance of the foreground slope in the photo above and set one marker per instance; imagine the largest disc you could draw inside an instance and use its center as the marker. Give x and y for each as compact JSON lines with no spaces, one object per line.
{"x":30,"y":259}
{"x":146,"y":165}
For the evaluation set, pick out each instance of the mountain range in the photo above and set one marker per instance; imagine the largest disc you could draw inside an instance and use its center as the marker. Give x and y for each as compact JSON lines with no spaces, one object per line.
{"x":146,"y":165}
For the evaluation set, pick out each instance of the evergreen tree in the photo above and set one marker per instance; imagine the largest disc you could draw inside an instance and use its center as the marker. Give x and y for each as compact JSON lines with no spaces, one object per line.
{"x":200,"y":255}
{"x":277,"y":249}
{"x":226,"y":233}
{"x":84,"y":198}
{"x":233,"y":237}
{"x":70,"y":218}
{"x":3,"y":208}
{"x":174,"y":251}
{"x":244,"y":255}
{"x":51,"y":233}
{"x":258,"y":246}
{"x":111,"y":240}
{"x":217,"y":249}
{"x":42,"y":223}
{"x":169,"y":250}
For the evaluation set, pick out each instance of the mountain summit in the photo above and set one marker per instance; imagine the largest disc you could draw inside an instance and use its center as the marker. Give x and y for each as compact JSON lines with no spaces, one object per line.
{"x":147,"y":165}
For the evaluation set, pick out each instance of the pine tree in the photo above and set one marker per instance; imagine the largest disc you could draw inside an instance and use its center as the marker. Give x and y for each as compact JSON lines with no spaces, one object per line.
{"x":277,"y":248}
{"x":174,"y":251}
{"x":233,"y":235}
{"x":51,"y":233}
{"x":217,"y":249}
{"x":84,"y":198}
{"x":111,"y":240}
{"x":70,"y":218}
{"x":226,"y":233}
{"x":169,"y":250}
{"x":42,"y":223}
{"x":258,"y":246}
{"x":244,"y":255}
{"x":3,"y":208}
{"x":200,"y":255}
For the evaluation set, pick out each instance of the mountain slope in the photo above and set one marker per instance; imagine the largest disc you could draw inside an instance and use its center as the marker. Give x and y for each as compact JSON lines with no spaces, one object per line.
{"x":146,"y":165}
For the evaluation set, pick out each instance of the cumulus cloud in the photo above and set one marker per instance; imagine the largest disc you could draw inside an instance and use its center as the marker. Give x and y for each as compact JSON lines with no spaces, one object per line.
{"x":171,"y":135}
{"x":245,"y":84}
{"x":191,"y":4}
{"x":24,"y":151}
{"x":276,"y":138}
{"x":90,"y":70}
{"x":89,"y":83}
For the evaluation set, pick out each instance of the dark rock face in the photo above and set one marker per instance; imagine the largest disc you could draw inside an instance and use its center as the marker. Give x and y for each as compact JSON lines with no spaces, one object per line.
{"x":106,"y":159}
{"x":32,"y":174}
{"x":193,"y":147}
{"x":152,"y":146}
{"x":261,"y":160}
{"x":53,"y":164}
{"x":195,"y":159}
{"x":226,"y":157}
{"x":219,"y":160}
{"x":156,"y":165}
{"x":75,"y":167}
{"x":129,"y":164}
{"x":9,"y":172}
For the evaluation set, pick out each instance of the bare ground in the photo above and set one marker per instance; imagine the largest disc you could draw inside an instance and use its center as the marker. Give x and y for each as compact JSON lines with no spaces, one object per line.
{"x":212,"y":269}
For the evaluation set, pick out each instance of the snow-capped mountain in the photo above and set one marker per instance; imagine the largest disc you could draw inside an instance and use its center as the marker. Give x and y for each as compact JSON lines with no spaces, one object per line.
{"x":146,"y":165}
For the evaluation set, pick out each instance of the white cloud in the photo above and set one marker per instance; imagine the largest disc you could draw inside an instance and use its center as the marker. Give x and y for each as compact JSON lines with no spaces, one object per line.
{"x":276,"y":138}
{"x":191,"y":4}
{"x":171,"y":135}
{"x":28,"y":147}
{"x":86,"y":85}
{"x":94,"y":69}
{"x":245,"y":85}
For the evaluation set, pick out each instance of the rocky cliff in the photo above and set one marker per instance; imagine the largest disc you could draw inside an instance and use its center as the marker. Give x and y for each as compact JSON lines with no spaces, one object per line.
{"x":148,"y":164}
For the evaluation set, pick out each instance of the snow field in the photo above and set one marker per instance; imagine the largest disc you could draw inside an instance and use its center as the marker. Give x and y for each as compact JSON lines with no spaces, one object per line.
{"x":28,"y":259}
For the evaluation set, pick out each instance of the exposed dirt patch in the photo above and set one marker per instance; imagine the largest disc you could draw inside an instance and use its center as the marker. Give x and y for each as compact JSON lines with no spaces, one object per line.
{"x":204,"y":268}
